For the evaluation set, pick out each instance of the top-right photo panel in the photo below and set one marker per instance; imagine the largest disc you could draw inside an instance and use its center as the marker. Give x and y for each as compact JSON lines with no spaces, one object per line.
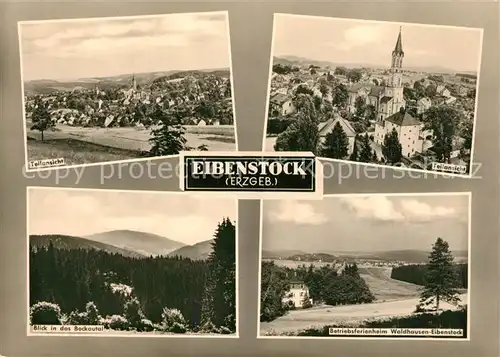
{"x":377,"y":93}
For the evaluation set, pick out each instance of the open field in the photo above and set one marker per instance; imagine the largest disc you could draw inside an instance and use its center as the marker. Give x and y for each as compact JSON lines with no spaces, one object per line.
{"x":78,"y":145}
{"x":384,"y":288}
{"x":347,"y":314}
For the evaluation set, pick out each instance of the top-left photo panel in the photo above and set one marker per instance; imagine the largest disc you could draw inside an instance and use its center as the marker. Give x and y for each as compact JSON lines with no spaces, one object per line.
{"x":108,"y":90}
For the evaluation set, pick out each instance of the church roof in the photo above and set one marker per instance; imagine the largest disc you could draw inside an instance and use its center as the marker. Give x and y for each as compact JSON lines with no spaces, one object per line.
{"x":327,"y":126}
{"x":403,"y":119}
{"x":375,"y":91}
{"x":398,"y":49}
{"x":385,"y":99}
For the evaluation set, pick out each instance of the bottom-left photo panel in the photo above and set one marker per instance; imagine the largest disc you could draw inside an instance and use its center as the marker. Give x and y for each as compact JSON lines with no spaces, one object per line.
{"x":131,"y":263}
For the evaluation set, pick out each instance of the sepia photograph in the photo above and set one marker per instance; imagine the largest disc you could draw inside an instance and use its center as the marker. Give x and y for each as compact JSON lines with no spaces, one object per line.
{"x":131,"y":263}
{"x":374,"y":93}
{"x":366,"y":266}
{"x":107,"y":90}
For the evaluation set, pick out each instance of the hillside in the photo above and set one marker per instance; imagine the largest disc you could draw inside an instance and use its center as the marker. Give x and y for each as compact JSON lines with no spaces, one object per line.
{"x":46,"y":86}
{"x":384,"y":287}
{"x":198,"y":251}
{"x":140,"y":242}
{"x":70,"y":242}
{"x":276,"y":254}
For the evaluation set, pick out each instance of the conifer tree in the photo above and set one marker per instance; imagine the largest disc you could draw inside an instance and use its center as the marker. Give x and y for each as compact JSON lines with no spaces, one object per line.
{"x":168,"y":138}
{"x":219,"y":303}
{"x":441,"y":278}
{"x":336,"y":145}
{"x":392,"y":149}
{"x":366,"y":153}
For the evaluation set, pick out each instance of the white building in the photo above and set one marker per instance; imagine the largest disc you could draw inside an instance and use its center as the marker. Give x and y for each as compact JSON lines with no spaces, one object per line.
{"x":409,"y":131}
{"x":298,"y":290}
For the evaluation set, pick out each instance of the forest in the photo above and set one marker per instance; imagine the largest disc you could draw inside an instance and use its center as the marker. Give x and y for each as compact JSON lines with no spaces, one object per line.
{"x":326,"y":285}
{"x":198,"y":296}
{"x":416,"y":274}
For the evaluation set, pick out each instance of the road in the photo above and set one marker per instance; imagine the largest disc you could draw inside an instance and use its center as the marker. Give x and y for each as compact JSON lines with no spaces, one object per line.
{"x":321,"y":316}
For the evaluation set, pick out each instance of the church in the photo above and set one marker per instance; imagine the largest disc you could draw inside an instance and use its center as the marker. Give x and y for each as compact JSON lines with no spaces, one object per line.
{"x":390,"y":105}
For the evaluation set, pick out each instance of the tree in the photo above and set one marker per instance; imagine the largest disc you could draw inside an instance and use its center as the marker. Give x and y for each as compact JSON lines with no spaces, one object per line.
{"x":340,"y":71}
{"x":431,"y":90}
{"x":441,"y":278}
{"x":365,"y":154}
{"x":340,"y":96}
{"x":355,"y":155}
{"x":169,"y":138}
{"x":336,"y":145}
{"x":391,"y":148}
{"x":360,"y":105}
{"x":219,"y":305}
{"x":302,"y":134}
{"x":370,"y":113}
{"x":274,"y":285}
{"x":354,"y":75}
{"x":41,"y":118}
{"x":443,"y":122}
{"x":306,"y":302}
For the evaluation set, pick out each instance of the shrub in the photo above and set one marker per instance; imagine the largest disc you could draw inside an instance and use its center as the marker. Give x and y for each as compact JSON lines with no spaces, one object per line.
{"x":93,"y":316}
{"x":177,"y":328}
{"x":117,"y":322}
{"x":146,"y":325}
{"x":45,"y":313}
{"x":209,"y":327}
{"x":225,"y":331}
{"x":173,"y":319}
{"x":133,"y":313}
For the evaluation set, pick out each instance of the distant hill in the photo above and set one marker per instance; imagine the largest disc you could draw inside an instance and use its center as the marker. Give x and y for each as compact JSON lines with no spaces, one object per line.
{"x":46,"y":86}
{"x":409,"y":256}
{"x":140,"y":242}
{"x":302,"y":61}
{"x":71,"y":242}
{"x":198,"y":251}
{"x":270,"y":254}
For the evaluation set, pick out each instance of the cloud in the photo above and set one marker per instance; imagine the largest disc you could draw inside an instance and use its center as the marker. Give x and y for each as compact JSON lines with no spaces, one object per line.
{"x":376,"y":207}
{"x":385,"y":209}
{"x":359,"y":36}
{"x":420,"y":211}
{"x":90,"y":37}
{"x":298,"y":213}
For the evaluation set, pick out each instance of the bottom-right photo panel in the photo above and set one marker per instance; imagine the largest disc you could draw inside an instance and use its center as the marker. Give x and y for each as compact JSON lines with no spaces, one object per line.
{"x":366,"y":266}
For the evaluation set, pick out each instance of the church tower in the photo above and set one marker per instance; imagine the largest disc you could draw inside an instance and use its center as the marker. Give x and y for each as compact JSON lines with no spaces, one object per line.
{"x":396,"y":77}
{"x":134,"y":83}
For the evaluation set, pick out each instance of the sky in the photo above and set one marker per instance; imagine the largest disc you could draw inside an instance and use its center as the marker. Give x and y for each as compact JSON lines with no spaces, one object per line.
{"x":366,"y":223}
{"x":369,"y":42}
{"x":179,"y":217}
{"x":72,"y":49}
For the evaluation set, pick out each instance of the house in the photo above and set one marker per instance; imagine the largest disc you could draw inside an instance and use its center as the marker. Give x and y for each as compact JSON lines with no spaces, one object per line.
{"x":283,"y":103}
{"x":297,"y":292}
{"x":423,"y":104}
{"x":409,"y":132}
{"x":450,"y":100}
{"x":326,"y":127}
{"x":463,"y":91}
{"x":202,"y":123}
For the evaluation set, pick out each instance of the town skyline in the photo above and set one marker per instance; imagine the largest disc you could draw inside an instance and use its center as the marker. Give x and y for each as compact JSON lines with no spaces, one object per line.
{"x":366,"y":223}
{"x":348,"y":41}
{"x":88,"y":48}
{"x":82,"y":213}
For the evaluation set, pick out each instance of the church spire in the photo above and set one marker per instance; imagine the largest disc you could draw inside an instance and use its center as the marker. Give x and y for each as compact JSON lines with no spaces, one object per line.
{"x":398,"y":49}
{"x":134,"y":83}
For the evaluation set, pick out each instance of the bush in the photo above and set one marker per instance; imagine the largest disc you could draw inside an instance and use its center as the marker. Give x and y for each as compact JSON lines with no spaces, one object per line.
{"x":45,"y":313}
{"x":117,"y":322}
{"x":173,"y":319}
{"x":146,"y":326}
{"x":133,"y":313}
{"x":89,"y":317}
{"x":177,"y":328}
{"x":209,"y":327}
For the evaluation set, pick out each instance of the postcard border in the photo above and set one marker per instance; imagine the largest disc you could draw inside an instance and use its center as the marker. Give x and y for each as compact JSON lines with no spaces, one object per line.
{"x":412,"y":194}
